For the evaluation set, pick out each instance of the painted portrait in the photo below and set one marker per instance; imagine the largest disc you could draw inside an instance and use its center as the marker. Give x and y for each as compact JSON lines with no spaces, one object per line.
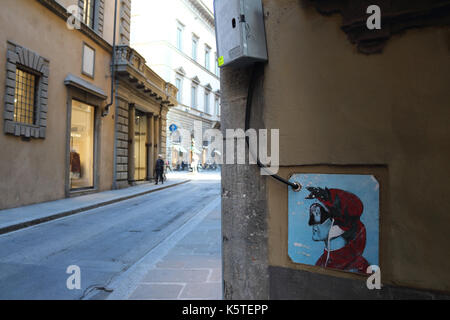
{"x":334,"y":221}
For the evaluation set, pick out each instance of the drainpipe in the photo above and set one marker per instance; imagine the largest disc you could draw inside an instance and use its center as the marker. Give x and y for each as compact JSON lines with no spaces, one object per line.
{"x":113,"y":64}
{"x":106,"y":111}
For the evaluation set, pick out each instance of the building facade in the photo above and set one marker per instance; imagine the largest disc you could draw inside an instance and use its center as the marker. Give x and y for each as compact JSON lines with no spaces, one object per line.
{"x":63,"y":132}
{"x":177,"y":38}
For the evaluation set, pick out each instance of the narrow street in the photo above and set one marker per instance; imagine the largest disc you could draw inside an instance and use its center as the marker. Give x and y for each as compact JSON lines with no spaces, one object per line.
{"x":103,"y":242}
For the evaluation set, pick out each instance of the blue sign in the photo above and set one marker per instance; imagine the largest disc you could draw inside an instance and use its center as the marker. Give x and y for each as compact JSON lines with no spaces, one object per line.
{"x":334,"y":221}
{"x":173,"y":127}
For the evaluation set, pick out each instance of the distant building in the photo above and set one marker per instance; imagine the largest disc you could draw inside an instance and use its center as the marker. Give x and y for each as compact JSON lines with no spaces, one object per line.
{"x":177,"y":38}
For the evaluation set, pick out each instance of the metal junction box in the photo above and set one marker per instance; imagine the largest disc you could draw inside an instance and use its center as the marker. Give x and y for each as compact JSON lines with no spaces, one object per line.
{"x":240,"y":32}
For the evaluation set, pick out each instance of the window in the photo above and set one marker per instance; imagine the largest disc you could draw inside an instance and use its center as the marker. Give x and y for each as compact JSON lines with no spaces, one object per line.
{"x":26,"y":93}
{"x":194,"y":47}
{"x":25,"y":97}
{"x":194,"y":96}
{"x":88,"y":61}
{"x":217,"y":106}
{"x":92,"y":14}
{"x":207,"y":102}
{"x":207,"y":57}
{"x":216,"y":64}
{"x":180,"y":37}
{"x":82,"y":145}
{"x":89,"y":13}
{"x":179,"y":85}
{"x":140,"y":146}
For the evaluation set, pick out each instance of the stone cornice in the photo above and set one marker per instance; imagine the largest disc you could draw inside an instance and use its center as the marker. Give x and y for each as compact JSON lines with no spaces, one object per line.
{"x":61,"y":12}
{"x":396,"y":17}
{"x":130,"y":65}
{"x":205,"y":13}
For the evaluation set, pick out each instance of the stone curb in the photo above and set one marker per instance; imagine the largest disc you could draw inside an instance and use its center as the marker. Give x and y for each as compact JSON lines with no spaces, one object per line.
{"x":59,"y":215}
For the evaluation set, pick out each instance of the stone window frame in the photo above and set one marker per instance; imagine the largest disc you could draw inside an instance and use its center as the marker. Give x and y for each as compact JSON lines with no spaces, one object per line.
{"x":19,"y":56}
{"x":99,"y":11}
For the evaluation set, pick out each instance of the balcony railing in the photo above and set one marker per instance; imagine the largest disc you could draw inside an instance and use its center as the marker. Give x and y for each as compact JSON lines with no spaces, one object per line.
{"x":129,"y":61}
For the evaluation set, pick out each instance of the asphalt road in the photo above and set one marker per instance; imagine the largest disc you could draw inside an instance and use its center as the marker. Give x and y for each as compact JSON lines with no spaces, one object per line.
{"x":103,"y":242}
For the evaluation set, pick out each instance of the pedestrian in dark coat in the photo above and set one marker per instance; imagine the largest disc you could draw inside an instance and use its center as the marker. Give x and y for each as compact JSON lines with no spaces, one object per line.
{"x":159,"y":169}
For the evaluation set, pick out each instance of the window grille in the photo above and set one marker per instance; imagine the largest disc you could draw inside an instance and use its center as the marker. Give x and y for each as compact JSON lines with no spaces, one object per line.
{"x":25,"y":97}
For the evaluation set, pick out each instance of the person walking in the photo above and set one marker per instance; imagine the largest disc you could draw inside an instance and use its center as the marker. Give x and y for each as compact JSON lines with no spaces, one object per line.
{"x":159,"y":169}
{"x":195,"y":160}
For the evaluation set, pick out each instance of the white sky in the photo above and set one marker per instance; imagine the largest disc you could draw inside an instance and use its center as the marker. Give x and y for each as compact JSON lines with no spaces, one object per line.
{"x":209,"y":4}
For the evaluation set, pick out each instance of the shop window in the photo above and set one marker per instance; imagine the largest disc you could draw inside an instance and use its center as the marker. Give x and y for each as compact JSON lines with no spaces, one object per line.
{"x":82,"y":146}
{"x":140,"y":149}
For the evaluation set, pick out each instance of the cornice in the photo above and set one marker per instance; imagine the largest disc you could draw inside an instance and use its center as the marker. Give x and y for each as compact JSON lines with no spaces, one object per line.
{"x":61,"y":12}
{"x":396,"y":17}
{"x":205,"y":13}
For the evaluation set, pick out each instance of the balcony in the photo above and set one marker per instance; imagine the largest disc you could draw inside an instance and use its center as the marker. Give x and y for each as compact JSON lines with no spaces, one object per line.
{"x":131,"y":67}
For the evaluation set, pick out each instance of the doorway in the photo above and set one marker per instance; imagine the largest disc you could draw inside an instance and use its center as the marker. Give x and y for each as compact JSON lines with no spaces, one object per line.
{"x":140,"y":147}
{"x":82,"y":146}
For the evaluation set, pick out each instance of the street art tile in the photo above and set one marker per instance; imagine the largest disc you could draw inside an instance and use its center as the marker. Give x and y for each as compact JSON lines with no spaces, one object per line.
{"x":334,"y":221}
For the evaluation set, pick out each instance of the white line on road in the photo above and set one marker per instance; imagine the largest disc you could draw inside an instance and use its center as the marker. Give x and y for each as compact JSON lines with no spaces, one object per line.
{"x":125,"y":284}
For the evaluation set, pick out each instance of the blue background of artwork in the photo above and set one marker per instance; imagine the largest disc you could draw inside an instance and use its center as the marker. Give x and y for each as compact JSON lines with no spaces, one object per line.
{"x":302,"y":249}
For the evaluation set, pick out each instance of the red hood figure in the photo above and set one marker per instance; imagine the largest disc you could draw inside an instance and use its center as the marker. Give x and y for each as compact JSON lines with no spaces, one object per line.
{"x":336,"y":221}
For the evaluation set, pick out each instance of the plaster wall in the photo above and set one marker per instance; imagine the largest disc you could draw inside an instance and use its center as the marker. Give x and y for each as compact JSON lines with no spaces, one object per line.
{"x":340,"y":111}
{"x":34,"y":171}
{"x":338,"y":107}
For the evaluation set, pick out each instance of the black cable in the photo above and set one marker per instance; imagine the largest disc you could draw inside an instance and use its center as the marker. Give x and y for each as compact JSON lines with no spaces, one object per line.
{"x":248,"y":111}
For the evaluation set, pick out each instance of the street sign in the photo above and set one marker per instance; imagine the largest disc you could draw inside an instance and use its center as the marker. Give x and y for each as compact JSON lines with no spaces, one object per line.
{"x":173,"y":127}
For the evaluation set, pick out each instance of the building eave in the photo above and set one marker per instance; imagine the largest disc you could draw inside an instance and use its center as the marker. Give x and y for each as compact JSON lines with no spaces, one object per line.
{"x":61,"y":12}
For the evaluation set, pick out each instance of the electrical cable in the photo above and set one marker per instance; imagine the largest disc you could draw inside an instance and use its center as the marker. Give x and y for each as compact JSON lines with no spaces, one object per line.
{"x":248,"y":111}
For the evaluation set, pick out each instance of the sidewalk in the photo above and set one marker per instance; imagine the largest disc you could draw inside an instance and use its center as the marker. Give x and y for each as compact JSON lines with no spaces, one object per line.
{"x":187,"y":265}
{"x":23,"y":217}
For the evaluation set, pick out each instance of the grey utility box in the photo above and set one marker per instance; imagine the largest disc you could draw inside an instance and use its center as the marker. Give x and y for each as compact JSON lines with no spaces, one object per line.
{"x":240,"y":32}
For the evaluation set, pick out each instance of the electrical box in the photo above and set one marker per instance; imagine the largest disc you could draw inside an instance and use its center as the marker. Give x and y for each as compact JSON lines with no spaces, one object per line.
{"x":240,"y":32}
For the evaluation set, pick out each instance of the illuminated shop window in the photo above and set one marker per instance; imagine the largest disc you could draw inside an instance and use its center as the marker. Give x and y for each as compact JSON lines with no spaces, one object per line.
{"x":82,"y":146}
